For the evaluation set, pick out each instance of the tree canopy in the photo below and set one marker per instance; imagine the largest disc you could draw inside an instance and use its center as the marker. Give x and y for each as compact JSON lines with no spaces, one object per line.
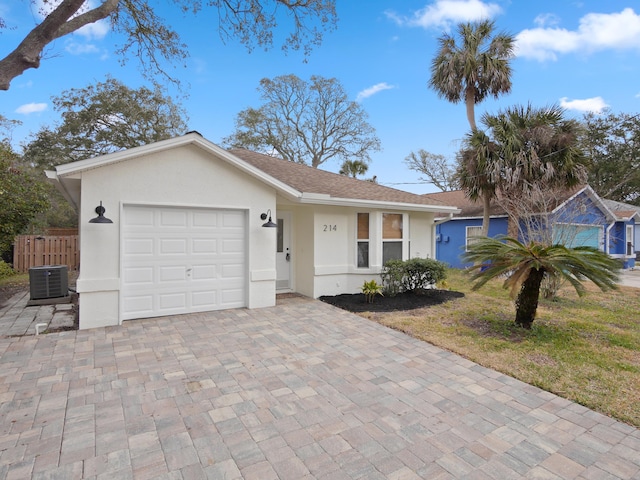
{"x":104,"y":118}
{"x":524,"y":151}
{"x":151,"y":38}
{"x":22,"y":196}
{"x":612,"y":144}
{"x":306,"y":122}
{"x":436,"y":169}
{"x":474,"y":66}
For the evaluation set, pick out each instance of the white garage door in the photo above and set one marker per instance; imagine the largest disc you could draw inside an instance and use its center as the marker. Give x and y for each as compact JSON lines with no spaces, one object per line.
{"x":181,"y":260}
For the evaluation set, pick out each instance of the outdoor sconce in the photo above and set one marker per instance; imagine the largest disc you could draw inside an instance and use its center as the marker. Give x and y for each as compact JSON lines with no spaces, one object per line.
{"x":100,"y":218}
{"x":269,"y":223}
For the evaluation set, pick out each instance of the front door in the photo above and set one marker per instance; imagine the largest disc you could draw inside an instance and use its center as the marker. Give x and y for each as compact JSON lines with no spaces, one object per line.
{"x":283,"y":252}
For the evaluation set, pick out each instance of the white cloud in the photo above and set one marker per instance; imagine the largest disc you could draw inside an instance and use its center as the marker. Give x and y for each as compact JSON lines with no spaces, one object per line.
{"x":595,"y":104}
{"x":444,"y":13}
{"x":28,"y":108}
{"x":368,"y":92}
{"x":597,"y":31}
{"x":75,"y":48}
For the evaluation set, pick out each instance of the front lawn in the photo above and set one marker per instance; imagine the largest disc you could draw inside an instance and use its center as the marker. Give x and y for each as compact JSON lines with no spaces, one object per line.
{"x":583,"y":349}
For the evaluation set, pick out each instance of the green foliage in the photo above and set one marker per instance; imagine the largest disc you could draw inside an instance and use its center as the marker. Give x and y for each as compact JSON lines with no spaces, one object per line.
{"x":422,"y":273}
{"x":371,"y":289}
{"x":611,"y":142}
{"x":414,"y":274}
{"x":22,"y":197}
{"x":475,"y":68}
{"x":524,"y":267}
{"x":105,"y":118}
{"x":6,"y":270}
{"x":306,"y":122}
{"x":392,"y":275}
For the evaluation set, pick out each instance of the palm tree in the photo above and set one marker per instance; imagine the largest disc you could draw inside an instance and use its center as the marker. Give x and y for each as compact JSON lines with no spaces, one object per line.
{"x":353,"y":168}
{"x":523,"y":150}
{"x":475,"y":68}
{"x":526,"y":265}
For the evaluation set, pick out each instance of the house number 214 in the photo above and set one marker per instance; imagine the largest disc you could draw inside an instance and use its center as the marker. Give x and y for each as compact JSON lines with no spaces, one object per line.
{"x":330,"y":228}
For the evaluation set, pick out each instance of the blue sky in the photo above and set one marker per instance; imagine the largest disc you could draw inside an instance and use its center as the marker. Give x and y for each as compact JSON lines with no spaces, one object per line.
{"x":583,"y":55}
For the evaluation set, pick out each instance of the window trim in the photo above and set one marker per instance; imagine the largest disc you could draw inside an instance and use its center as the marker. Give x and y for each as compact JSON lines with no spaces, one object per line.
{"x":469,"y":239}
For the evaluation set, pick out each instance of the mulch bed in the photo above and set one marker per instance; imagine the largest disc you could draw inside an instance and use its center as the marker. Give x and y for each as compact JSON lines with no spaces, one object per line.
{"x":403,"y":301}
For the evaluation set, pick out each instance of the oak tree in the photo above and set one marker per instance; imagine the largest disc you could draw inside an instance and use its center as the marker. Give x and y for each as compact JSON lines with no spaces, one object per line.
{"x":154,"y":42}
{"x":306,"y":122}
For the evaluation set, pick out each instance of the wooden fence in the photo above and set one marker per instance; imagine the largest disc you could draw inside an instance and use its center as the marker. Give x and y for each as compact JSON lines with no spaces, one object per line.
{"x":36,"y":251}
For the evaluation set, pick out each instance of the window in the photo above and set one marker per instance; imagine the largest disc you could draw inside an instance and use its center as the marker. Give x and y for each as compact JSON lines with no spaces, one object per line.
{"x":363,"y":240}
{"x":630,"y":242}
{"x":392,"y":236}
{"x":472,"y":232}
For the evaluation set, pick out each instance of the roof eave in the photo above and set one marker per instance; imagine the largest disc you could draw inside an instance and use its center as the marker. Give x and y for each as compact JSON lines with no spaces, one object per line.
{"x":319,"y":199}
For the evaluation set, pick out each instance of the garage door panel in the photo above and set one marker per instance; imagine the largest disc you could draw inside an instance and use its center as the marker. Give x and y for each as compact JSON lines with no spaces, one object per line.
{"x":173,"y":218}
{"x":185,"y":260}
{"x":138,"y":246}
{"x":208,"y":246}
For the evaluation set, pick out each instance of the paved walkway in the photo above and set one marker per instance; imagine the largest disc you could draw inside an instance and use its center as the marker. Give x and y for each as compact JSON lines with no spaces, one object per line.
{"x":298,"y":391}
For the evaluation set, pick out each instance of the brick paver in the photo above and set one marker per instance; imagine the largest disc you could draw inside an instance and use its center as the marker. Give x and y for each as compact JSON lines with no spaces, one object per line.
{"x":298,"y":391}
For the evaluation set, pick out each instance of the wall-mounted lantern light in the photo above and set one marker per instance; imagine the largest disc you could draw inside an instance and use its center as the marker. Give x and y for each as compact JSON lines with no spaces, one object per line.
{"x":100,"y":218}
{"x":269,"y":223}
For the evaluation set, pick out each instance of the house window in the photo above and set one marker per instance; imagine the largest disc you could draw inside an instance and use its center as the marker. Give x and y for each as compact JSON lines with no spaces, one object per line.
{"x":363,"y":240}
{"x":629,"y":238}
{"x":392,"y":236}
{"x":472,"y":234}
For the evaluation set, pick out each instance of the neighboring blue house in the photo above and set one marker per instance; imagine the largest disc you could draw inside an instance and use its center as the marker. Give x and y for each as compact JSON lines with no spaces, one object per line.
{"x":580,"y":218}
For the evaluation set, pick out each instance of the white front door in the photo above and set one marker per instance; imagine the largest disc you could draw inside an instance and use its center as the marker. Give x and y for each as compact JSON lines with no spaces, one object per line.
{"x":181,"y":260}
{"x":283,"y":251}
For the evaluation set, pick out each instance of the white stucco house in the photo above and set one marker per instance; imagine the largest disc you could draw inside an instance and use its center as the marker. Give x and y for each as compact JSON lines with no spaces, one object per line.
{"x":188,"y":234}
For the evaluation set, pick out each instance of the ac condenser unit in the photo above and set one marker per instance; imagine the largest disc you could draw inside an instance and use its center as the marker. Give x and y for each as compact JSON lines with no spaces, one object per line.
{"x":50,"y":281}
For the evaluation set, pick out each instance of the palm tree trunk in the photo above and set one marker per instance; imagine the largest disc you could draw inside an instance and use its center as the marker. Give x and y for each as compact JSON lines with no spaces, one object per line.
{"x":486,"y":200}
{"x":470,"y":101}
{"x":527,"y":301}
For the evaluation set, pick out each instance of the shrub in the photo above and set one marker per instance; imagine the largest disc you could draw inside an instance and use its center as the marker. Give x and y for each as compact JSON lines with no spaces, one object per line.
{"x":6,"y":270}
{"x":371,"y":289}
{"x":392,"y":275}
{"x":421,"y":273}
{"x":415,"y":274}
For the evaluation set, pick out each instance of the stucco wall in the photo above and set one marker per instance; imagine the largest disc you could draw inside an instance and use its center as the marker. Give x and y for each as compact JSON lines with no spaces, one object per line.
{"x":335,"y":268}
{"x":185,"y":177}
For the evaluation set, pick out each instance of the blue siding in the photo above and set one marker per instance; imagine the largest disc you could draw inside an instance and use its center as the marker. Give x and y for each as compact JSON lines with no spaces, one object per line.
{"x":451,"y":236}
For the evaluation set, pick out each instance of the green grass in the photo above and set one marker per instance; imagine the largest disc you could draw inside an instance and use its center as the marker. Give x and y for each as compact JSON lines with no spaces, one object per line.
{"x":583,"y":349}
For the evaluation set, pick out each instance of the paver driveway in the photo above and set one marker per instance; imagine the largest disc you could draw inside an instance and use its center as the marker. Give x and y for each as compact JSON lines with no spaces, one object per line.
{"x":301,"y":390}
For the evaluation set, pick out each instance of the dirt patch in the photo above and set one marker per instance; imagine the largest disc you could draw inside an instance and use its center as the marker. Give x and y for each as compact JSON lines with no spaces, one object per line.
{"x":404,"y":301}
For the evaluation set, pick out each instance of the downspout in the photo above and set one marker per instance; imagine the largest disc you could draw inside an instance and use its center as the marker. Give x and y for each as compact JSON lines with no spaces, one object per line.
{"x":433,"y":239}
{"x":607,"y":237}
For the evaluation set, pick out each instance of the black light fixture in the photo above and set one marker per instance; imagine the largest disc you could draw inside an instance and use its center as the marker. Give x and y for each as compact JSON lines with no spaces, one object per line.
{"x":100,"y":218}
{"x":269,"y":223}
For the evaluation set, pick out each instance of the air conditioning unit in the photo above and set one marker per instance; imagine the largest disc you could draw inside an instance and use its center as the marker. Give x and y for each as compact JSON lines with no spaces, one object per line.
{"x":50,"y":281}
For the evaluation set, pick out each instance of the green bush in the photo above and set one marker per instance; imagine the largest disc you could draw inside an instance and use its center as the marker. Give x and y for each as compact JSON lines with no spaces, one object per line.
{"x":6,"y":270}
{"x":392,"y":275}
{"x":414,"y":274}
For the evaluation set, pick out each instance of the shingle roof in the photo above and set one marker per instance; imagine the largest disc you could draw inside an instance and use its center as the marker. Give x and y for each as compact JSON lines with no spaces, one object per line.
{"x":472,"y":209}
{"x":306,"y":179}
{"x":469,"y":208}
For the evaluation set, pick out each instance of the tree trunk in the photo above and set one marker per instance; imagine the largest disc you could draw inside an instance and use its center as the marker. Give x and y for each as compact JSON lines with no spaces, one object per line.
{"x":486,"y":200}
{"x":470,"y":101}
{"x":527,"y":301}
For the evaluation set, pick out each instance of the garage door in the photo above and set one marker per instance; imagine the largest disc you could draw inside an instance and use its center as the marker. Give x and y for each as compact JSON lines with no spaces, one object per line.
{"x":578,"y":235}
{"x":181,"y":260}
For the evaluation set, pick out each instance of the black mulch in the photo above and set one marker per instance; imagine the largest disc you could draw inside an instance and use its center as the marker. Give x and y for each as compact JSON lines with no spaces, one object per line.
{"x":403,"y":301}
